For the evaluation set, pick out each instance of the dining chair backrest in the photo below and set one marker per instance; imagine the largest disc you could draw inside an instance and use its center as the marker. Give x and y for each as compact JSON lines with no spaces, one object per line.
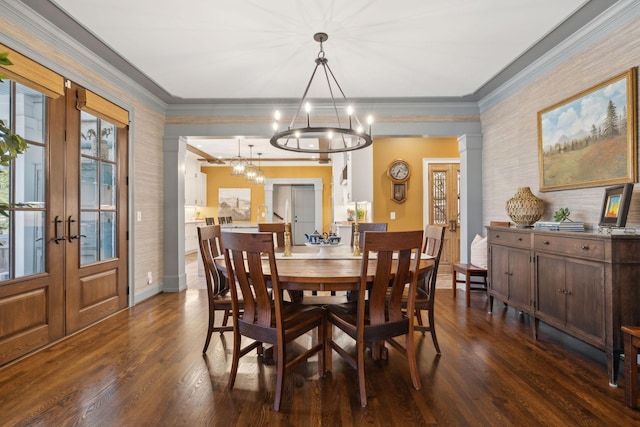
{"x":209,"y":243}
{"x":386,"y":314}
{"x":210,"y":221}
{"x":264,"y":320}
{"x":277,"y":228}
{"x":434,"y":242}
{"x":222,"y":220}
{"x":229,"y":219}
{"x":384,"y":304}
{"x":217,"y":285}
{"x":425,"y":292}
{"x":367,"y":226}
{"x":249,"y":248}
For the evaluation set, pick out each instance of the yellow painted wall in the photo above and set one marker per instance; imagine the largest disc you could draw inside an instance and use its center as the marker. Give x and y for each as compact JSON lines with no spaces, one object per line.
{"x":385,"y":150}
{"x":218,"y":177}
{"x":413,"y":151}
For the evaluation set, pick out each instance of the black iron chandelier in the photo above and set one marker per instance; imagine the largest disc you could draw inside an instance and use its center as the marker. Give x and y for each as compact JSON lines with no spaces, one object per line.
{"x":338,"y":132}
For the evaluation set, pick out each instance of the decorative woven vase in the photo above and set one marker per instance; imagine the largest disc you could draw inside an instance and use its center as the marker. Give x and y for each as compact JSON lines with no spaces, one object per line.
{"x":524,"y":208}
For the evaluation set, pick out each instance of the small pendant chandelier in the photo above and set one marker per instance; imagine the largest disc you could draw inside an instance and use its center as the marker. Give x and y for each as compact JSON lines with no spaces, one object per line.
{"x":339,"y":132}
{"x":259,"y":178}
{"x":251,"y":169}
{"x":238,"y":164}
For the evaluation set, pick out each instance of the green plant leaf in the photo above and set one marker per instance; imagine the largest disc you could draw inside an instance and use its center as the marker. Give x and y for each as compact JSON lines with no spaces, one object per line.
{"x":561,"y":214}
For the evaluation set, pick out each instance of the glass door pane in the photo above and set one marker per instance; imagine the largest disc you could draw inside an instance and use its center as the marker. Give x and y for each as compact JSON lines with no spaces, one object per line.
{"x":98,"y":189}
{"x":22,"y":184}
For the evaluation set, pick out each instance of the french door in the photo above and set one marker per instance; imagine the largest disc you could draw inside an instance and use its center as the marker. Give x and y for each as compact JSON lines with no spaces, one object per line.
{"x":95,"y":214}
{"x":63,"y":249}
{"x":444,"y":209}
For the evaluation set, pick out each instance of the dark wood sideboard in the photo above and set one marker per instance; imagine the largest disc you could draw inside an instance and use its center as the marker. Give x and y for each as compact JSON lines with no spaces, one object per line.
{"x":582,"y":283}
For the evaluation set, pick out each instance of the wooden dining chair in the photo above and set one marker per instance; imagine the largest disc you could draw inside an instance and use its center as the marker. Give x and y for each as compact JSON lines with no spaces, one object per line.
{"x":277,"y":228}
{"x":426,"y":288}
{"x":367,"y":226}
{"x":222,"y":220}
{"x":210,"y":220}
{"x":381,"y":317}
{"x":266,"y":319}
{"x":217,"y":289}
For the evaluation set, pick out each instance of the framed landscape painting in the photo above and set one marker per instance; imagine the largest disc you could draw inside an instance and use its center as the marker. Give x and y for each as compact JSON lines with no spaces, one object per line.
{"x":589,"y":140}
{"x":235,"y":202}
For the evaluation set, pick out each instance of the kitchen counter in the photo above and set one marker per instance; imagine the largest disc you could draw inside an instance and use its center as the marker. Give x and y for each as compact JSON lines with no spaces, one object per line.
{"x":194,"y":221}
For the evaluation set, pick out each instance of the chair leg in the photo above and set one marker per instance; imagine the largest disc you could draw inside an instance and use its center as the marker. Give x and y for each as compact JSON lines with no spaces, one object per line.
{"x":321,"y":354}
{"x":419,"y":318}
{"x":209,"y":330}
{"x":361,"y":383}
{"x":455,"y":283}
{"x":328,"y":361}
{"x":225,"y":319}
{"x":236,"y":358}
{"x":432,"y":328}
{"x":411,"y":358}
{"x":280,"y":367}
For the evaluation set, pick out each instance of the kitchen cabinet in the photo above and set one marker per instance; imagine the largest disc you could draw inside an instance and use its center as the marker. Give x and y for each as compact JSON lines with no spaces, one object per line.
{"x":584,"y":284}
{"x":191,"y":236}
{"x":195,"y":182}
{"x":359,"y":182}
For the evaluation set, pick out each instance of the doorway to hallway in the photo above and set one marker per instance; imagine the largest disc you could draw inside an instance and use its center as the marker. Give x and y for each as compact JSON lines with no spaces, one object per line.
{"x":302,"y":197}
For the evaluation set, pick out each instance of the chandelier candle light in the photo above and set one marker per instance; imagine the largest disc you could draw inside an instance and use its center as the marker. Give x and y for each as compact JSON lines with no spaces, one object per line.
{"x":331,"y":137}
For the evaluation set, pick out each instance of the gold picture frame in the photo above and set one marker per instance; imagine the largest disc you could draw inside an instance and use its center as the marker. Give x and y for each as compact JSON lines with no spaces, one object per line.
{"x":589,"y":140}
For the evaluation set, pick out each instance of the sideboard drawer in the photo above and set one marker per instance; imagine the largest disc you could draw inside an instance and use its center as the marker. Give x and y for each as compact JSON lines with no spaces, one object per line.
{"x":583,"y":248}
{"x":511,"y":238}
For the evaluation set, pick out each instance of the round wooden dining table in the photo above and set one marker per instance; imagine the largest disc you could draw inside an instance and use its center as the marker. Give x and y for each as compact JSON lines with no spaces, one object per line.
{"x":304,"y":270}
{"x":339,"y":271}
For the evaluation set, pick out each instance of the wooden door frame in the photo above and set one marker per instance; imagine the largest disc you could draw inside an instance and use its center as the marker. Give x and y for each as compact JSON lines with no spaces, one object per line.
{"x":426,"y":162}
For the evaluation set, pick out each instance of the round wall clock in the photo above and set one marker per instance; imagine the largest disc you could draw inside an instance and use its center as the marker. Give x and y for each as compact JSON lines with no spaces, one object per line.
{"x":399,"y":171}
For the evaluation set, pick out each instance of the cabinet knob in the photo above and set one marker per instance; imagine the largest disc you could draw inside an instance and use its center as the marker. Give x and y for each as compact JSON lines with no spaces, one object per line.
{"x":546,"y":242}
{"x":584,"y":247}
{"x":497,"y":236}
{"x":520,"y":239}
{"x":560,"y":291}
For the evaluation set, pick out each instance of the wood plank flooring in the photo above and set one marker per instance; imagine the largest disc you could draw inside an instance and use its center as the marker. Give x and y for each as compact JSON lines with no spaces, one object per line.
{"x":144,"y":367}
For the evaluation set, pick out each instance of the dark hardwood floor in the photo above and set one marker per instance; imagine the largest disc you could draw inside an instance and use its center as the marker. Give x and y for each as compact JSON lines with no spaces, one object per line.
{"x":144,"y":366}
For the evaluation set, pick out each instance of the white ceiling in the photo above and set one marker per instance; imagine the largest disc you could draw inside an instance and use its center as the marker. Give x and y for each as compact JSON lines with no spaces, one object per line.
{"x":264,"y":49}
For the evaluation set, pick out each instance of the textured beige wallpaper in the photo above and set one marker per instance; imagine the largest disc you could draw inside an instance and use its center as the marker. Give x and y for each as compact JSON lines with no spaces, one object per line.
{"x":510,"y":134}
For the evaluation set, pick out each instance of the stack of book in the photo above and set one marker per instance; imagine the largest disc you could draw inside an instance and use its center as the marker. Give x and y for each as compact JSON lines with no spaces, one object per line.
{"x":561,"y":226}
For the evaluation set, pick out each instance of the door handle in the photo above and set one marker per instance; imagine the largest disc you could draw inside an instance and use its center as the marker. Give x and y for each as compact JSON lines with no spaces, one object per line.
{"x":57,"y":239}
{"x":453,"y":225}
{"x":72,"y":237}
